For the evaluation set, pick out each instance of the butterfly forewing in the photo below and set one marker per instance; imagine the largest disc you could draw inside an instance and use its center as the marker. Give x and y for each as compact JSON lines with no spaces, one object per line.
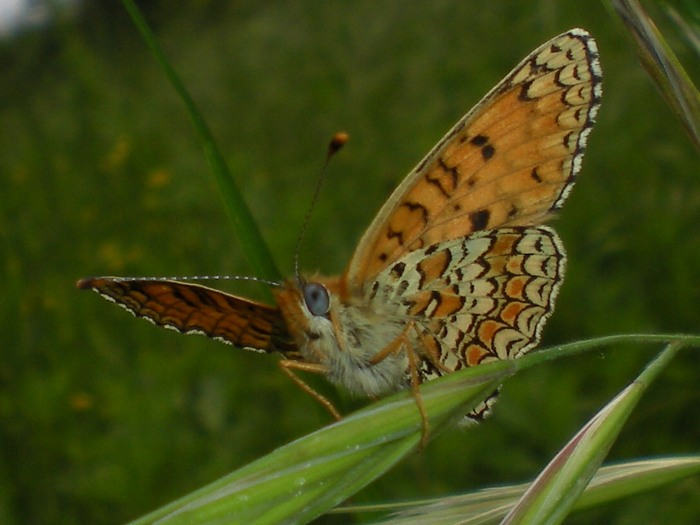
{"x":194,"y":309}
{"x":509,"y":161}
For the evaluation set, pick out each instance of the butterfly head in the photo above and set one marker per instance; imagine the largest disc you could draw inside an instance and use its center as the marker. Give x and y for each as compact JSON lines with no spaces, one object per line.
{"x":307,"y":308}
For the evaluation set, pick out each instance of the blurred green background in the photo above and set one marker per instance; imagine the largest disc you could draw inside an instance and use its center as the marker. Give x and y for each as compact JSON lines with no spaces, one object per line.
{"x":103,"y":417}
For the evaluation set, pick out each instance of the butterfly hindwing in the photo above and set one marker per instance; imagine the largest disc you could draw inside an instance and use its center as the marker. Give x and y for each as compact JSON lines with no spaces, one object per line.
{"x":481,"y":297}
{"x":476,"y":299}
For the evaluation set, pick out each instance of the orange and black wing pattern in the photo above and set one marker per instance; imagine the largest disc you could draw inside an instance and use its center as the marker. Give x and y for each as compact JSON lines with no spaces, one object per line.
{"x":510,"y":161}
{"x":194,"y":309}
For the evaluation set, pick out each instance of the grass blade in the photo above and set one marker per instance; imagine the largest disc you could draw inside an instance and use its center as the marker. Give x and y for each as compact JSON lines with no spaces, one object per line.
{"x":307,"y":477}
{"x":663,"y":65}
{"x":312,"y":475}
{"x":555,"y":491}
{"x":611,"y":483}
{"x":244,"y":225}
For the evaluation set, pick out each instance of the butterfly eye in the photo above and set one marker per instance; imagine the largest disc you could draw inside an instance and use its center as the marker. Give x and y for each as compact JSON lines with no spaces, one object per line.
{"x":317,"y":299}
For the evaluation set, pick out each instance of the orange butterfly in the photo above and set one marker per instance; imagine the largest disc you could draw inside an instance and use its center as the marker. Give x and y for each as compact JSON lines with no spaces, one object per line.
{"x":456,"y":268}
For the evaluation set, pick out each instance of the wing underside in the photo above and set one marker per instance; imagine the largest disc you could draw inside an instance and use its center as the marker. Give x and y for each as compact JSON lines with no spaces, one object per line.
{"x":510,"y":161}
{"x":194,"y":309}
{"x":476,"y":299}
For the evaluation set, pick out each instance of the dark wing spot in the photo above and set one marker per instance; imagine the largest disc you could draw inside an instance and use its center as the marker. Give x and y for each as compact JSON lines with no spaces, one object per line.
{"x":401,"y":288}
{"x":421,"y":281}
{"x":535,"y":176}
{"x":557,"y":78}
{"x":538,"y":245}
{"x":392,"y":234}
{"x":479,"y":140}
{"x":482,"y":141}
{"x":437,"y":297}
{"x":416,"y":206}
{"x":398,"y":269}
{"x":524,"y":94}
{"x":567,"y":139}
{"x":480,"y":219}
{"x":440,"y":183}
{"x":488,"y":151}
{"x":453,"y":172}
{"x":437,"y":183}
{"x":536,"y":68}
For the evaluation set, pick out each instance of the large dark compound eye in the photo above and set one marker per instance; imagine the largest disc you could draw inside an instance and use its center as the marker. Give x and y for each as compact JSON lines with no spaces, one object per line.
{"x":317,"y":299}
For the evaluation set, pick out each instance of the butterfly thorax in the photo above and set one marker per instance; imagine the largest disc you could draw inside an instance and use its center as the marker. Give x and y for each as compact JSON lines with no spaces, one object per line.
{"x":347,"y":338}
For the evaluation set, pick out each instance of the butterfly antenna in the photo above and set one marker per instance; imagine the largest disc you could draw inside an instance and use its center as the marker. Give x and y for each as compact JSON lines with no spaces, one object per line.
{"x":197,"y":278}
{"x":336,"y":143}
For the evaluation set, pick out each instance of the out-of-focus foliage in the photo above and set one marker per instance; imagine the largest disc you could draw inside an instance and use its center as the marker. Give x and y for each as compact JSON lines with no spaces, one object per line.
{"x":103,"y":418}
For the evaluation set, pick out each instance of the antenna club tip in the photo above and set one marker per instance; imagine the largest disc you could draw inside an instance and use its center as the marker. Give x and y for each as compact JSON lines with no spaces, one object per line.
{"x":338,"y":141}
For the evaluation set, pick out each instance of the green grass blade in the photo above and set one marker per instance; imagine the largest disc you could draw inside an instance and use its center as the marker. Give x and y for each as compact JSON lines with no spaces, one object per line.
{"x":615,"y":482}
{"x":553,"y":494}
{"x":686,"y":15}
{"x":662,"y":65}
{"x":586,"y":345}
{"x":307,"y":477}
{"x":610,"y":484}
{"x":244,"y":225}
{"x":312,"y":475}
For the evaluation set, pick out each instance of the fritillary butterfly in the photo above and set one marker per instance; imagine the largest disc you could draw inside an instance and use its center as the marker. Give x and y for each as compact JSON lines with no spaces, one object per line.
{"x":455,"y":270}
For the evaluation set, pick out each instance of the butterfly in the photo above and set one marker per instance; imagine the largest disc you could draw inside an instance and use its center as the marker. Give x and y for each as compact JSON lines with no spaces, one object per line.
{"x":457,"y":268}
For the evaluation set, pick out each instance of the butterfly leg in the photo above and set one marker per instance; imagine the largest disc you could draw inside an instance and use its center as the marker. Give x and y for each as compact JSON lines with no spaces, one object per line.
{"x":415,"y":390}
{"x":403,"y":341}
{"x":288,"y":366}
